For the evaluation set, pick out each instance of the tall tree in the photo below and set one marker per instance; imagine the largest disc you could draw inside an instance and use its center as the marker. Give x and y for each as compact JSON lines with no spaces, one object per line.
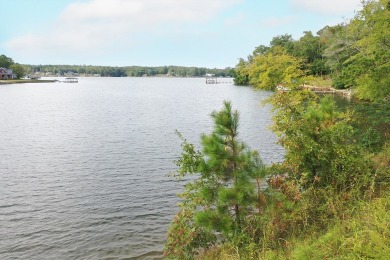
{"x":260,"y":50}
{"x":18,"y":70}
{"x":223,"y":195}
{"x":274,"y":68}
{"x":373,"y":21}
{"x":5,"y":62}
{"x":286,"y":41}
{"x":359,"y":52}
{"x":228,"y":190}
{"x":241,"y":76}
{"x":309,"y":48}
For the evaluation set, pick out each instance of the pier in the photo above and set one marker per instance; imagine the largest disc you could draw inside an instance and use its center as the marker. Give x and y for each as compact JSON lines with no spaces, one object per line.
{"x":328,"y":90}
{"x":214,"y":80}
{"x":71,"y":80}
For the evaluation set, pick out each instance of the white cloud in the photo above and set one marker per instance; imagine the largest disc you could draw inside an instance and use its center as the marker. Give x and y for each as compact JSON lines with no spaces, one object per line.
{"x":87,"y":27}
{"x":326,"y":7}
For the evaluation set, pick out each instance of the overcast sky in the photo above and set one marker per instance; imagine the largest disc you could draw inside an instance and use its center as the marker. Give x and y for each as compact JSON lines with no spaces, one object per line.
{"x":204,"y":33}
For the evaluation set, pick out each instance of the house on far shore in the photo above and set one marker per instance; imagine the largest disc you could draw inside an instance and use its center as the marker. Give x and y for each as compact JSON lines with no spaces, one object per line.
{"x":6,"y":74}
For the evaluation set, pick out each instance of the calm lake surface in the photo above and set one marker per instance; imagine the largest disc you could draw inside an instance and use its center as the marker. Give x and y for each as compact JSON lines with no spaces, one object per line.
{"x":83,"y":166}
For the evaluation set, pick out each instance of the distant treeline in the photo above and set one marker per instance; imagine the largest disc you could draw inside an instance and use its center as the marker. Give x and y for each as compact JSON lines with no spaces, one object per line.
{"x":129,"y":71}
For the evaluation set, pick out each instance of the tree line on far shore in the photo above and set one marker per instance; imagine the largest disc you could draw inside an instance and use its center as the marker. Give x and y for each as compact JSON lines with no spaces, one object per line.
{"x":109,"y":71}
{"x":127,"y":71}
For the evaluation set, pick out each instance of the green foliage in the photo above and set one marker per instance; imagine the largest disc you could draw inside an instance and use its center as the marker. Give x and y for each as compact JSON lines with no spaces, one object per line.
{"x":359,"y":52}
{"x":372,"y":119}
{"x":299,"y":58}
{"x":285,"y":41}
{"x":382,"y":167}
{"x":324,"y":170}
{"x":260,"y":50}
{"x":365,"y":236}
{"x":356,"y":54}
{"x":374,"y":23}
{"x":185,"y":238}
{"x":241,"y":76}
{"x":311,"y":207}
{"x":370,"y":138}
{"x":5,"y":62}
{"x":18,"y":70}
{"x":310,"y":49}
{"x":318,"y":143}
{"x":129,"y":71}
{"x":322,"y":201}
{"x":223,"y":197}
{"x":274,"y":68}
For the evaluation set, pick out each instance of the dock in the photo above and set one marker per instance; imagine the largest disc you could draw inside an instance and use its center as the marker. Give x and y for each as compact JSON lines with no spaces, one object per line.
{"x":68,"y":80}
{"x":328,"y":90}
{"x":71,"y":80}
{"x":214,"y":80}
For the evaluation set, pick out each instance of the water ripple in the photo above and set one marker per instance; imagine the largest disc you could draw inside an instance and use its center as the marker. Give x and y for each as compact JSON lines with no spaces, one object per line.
{"x":83,"y":167}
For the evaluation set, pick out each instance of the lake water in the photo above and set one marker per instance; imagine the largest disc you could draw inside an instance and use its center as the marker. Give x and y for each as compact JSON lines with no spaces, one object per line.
{"x":83,"y":166}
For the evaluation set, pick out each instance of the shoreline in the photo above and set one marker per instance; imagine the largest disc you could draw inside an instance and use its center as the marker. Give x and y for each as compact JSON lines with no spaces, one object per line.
{"x":327,"y":90}
{"x":22,"y":81}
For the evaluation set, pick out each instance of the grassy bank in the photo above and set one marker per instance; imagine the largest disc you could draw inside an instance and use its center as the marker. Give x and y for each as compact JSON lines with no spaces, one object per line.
{"x":320,"y":82}
{"x":365,"y":235}
{"x":20,"y":81}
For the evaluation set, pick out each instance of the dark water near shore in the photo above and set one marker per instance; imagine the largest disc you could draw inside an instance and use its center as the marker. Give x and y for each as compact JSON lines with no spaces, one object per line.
{"x":83,"y":166}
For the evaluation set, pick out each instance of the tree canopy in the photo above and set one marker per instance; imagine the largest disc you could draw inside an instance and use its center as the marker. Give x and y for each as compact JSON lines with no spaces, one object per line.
{"x":274,"y":68}
{"x":18,"y":70}
{"x":5,"y":62}
{"x":354,"y":54}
